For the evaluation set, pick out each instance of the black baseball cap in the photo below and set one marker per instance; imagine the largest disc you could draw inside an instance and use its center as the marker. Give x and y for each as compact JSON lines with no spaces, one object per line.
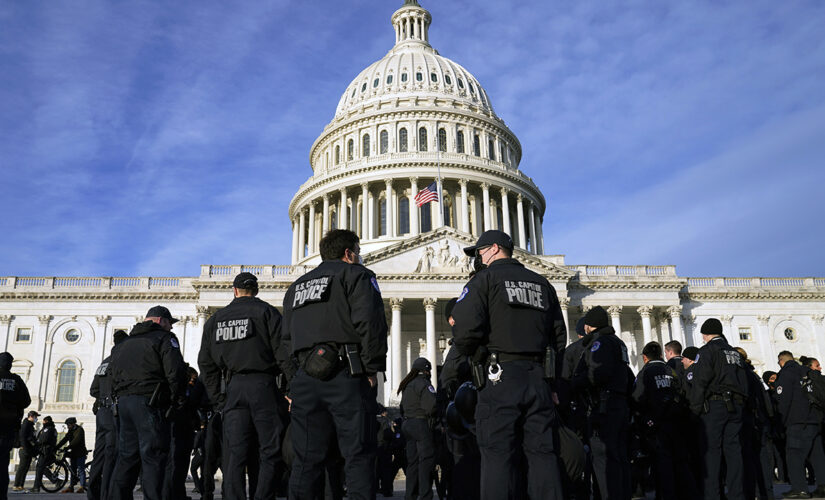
{"x":161,"y":312}
{"x":245,"y":281}
{"x":33,"y":414}
{"x":488,"y":238}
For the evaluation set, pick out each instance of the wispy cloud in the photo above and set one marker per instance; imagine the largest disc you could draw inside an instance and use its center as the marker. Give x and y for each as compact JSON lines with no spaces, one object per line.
{"x":150,"y":138}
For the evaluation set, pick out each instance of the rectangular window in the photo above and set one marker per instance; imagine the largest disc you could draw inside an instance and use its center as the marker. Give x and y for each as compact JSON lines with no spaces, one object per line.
{"x":23,"y":335}
{"x":745,"y":333}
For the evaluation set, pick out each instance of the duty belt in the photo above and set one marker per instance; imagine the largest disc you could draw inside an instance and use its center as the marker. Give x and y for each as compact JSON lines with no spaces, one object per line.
{"x":527,"y":356}
{"x":721,"y":397}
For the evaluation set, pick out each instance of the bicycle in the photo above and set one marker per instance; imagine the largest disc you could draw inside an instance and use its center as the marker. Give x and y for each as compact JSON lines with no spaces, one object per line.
{"x":56,"y":474}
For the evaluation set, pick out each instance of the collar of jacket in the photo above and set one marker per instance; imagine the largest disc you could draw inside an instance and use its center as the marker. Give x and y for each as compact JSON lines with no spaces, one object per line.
{"x":145,"y":327}
{"x":508,"y":260}
{"x":592,"y":336}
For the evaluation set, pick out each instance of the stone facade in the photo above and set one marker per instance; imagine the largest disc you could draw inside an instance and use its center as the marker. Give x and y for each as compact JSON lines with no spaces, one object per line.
{"x":60,"y":328}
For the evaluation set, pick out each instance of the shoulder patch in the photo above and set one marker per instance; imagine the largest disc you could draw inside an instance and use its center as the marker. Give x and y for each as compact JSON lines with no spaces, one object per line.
{"x":431,"y":389}
{"x":779,"y":389}
{"x":690,"y":376}
{"x":595,"y":346}
{"x":375,"y":284}
{"x":174,"y":343}
{"x":463,"y":294}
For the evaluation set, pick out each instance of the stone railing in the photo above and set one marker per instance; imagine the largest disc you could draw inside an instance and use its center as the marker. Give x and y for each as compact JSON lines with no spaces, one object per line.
{"x":623,"y":271}
{"x":765,"y":283}
{"x":262,"y":272}
{"x":94,"y":283}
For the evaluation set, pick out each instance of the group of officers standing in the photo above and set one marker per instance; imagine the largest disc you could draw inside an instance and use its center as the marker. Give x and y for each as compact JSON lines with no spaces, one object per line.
{"x":290,"y":392}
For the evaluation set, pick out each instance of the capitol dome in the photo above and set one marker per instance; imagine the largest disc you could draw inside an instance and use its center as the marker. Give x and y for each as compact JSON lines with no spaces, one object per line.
{"x":409,"y":121}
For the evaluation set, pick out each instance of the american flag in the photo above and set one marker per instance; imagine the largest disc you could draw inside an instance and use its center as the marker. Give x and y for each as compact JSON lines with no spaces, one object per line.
{"x":426,"y":195}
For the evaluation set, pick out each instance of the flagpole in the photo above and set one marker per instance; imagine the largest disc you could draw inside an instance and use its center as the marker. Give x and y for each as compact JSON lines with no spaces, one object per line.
{"x":440,"y":187}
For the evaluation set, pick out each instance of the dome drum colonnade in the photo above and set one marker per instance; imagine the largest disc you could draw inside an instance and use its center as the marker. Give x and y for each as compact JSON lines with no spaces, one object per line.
{"x":422,"y":125}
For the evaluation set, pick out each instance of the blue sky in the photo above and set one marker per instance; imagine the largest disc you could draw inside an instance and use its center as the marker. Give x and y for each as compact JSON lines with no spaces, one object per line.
{"x":148,"y":137}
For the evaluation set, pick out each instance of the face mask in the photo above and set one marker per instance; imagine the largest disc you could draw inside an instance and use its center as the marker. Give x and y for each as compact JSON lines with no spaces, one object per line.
{"x":478,"y":265}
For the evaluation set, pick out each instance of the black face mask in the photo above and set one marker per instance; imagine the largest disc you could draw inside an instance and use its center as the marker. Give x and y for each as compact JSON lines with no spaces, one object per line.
{"x":478,"y":265}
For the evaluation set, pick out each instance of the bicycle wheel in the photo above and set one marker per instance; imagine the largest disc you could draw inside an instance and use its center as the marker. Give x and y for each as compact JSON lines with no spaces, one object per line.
{"x":55,"y":476}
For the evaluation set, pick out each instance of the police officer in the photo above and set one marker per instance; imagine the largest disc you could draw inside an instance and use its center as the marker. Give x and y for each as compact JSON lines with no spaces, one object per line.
{"x":28,"y":449}
{"x":720,"y":387}
{"x":418,"y":408}
{"x":147,"y":377}
{"x":802,"y":422}
{"x":105,"y":453}
{"x":673,"y":357}
{"x":242,"y":349}
{"x":46,"y":445}
{"x":334,"y":319}
{"x":603,"y":377}
{"x":657,"y":401}
{"x":14,"y":398}
{"x":514,"y":314}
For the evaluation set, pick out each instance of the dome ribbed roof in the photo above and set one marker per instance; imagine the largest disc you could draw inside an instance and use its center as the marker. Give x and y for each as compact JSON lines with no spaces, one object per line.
{"x":413,"y":68}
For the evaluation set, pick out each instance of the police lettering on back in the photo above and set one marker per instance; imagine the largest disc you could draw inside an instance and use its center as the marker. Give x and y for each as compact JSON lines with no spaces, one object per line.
{"x":310,"y":291}
{"x":663,"y":381}
{"x":7,"y":384}
{"x":733,"y":358}
{"x":101,"y":370}
{"x":232,"y":330}
{"x":525,"y":293}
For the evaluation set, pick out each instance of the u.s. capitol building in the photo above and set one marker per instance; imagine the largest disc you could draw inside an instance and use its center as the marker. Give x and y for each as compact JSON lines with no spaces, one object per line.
{"x":409,"y":120}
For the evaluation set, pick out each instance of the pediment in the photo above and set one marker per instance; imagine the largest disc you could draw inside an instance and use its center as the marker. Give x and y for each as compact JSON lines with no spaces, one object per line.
{"x":440,"y":252}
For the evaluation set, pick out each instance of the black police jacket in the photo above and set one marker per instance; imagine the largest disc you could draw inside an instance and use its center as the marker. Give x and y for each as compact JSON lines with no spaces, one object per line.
{"x":759,"y":402}
{"x":14,"y":395}
{"x":572,"y":355}
{"x":603,"y":365}
{"x":243,"y":337}
{"x":101,"y":388}
{"x":794,"y":405}
{"x":47,"y":440}
{"x":338,"y":303}
{"x":509,"y":309}
{"x":718,"y":369}
{"x":147,"y":357}
{"x":418,"y":398}
{"x":28,"y":438}
{"x":656,"y":392}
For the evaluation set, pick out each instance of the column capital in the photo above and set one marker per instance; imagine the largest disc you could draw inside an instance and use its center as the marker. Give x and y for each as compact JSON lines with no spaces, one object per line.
{"x":485,"y":186}
{"x":343,"y":191}
{"x":388,"y":182}
{"x":414,"y":179}
{"x":726,"y":319}
{"x":504,"y":190}
{"x":6,"y":319}
{"x":44,"y":320}
{"x":763,"y":319}
{"x":462,"y":182}
{"x":689,"y":318}
{"x":818,"y":318}
{"x":564,"y":302}
{"x":585,"y":308}
{"x":203,"y":311}
{"x":519,"y":198}
{"x":674,"y":311}
{"x":429,"y":303}
{"x":644,"y":311}
{"x":325,"y":197}
{"x":365,"y":186}
{"x":102,"y":320}
{"x":396,"y":303}
{"x":614,"y":311}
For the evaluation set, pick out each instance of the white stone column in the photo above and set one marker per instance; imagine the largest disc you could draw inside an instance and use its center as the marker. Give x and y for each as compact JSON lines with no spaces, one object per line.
{"x":372,"y":216}
{"x":465,"y":215}
{"x":302,"y":235}
{"x":432,"y":346}
{"x":342,"y":210}
{"x":485,"y":194}
{"x":294,"y":242}
{"x":520,"y":214}
{"x":505,"y":211}
{"x":616,"y":318}
{"x":676,"y":323}
{"x":364,"y":219}
{"x":5,"y":329}
{"x":390,"y":232}
{"x":764,"y":340}
{"x":100,"y":338}
{"x":202,"y":315}
{"x":395,"y":344}
{"x":311,"y":242}
{"x":415,"y":227}
{"x":40,"y":339}
{"x":819,"y":333}
{"x":540,"y":234}
{"x":533,"y":228}
{"x":325,"y":217}
{"x":564,"y":302}
{"x":647,"y":331}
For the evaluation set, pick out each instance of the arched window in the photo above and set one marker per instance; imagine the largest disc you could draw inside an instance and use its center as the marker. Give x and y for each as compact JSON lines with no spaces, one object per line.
{"x":403,"y":77}
{"x":402,"y":140}
{"x":350,"y":149}
{"x":333,"y":218}
{"x":66,"y":376}
{"x":382,"y":223}
{"x":459,"y":141}
{"x":433,"y":77}
{"x":426,"y":218}
{"x":442,"y":140}
{"x":491,"y":150}
{"x":502,"y":153}
{"x":365,"y":145}
{"x":404,"y":215}
{"x":389,"y":79}
{"x":385,"y":142}
{"x":447,"y":79}
{"x":375,"y":83}
{"x":419,"y":77}
{"x":337,"y":155}
{"x":476,"y":145}
{"x":422,"y":139}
